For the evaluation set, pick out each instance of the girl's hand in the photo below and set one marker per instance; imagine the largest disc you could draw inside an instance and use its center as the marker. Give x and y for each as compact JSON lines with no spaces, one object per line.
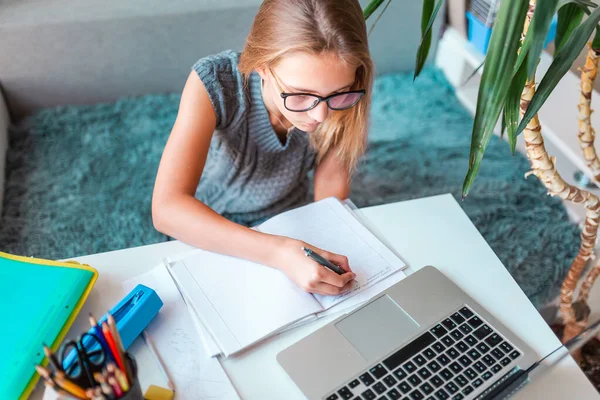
{"x":310,"y":275}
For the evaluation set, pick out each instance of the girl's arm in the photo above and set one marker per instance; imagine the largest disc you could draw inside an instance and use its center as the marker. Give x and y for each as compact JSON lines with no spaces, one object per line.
{"x":331,"y":178}
{"x":177,"y":213}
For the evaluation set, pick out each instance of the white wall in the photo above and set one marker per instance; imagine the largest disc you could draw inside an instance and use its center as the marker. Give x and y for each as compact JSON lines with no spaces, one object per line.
{"x":4,"y":122}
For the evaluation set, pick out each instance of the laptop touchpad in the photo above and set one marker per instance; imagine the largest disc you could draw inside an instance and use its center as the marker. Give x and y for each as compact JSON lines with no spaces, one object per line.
{"x":378,"y":328}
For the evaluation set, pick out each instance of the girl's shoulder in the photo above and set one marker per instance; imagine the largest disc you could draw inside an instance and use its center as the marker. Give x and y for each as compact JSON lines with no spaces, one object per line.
{"x":223,"y":62}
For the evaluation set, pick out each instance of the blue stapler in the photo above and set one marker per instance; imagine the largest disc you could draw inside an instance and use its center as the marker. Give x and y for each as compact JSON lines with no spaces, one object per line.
{"x":132,"y":315}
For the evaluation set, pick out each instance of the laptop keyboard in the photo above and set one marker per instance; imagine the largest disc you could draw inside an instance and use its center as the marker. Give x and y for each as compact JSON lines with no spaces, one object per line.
{"x":450,"y":361}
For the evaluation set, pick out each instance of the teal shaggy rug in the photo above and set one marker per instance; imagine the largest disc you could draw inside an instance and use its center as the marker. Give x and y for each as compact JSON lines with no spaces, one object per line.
{"x":80,"y":179}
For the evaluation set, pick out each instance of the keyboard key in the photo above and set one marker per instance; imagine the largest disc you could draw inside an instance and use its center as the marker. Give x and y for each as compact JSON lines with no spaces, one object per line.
{"x":429,"y":354}
{"x":368,"y":395}
{"x":451,"y":387}
{"x":424,"y":373}
{"x":436,"y":381}
{"x":434,"y":366}
{"x":465,"y":328}
{"x":465,"y":361}
{"x":390,"y":381}
{"x":479,"y":366}
{"x":515,"y":354}
{"x":477,"y":382}
{"x":482,"y":347}
{"x":447,"y":340}
{"x":497,"y":353}
{"x":404,"y":387}
{"x":333,"y":397}
{"x":456,"y":334}
{"x":400,"y":374}
{"x":470,"y":340}
{"x":354,"y":384}
{"x":505,"y":361}
{"x":414,"y":380}
{"x":393,"y":394}
{"x":419,"y":360}
{"x":493,"y":340}
{"x":496,"y":368}
{"x":443,"y":359}
{"x":366,"y":378}
{"x":379,"y":387}
{"x":475,"y":322}
{"x":465,"y":312}
{"x":467,"y":389}
{"x":453,"y":353}
{"x":438,"y":331}
{"x":439,"y":347}
{"x":417,"y":395}
{"x":461,"y":380}
{"x":482,"y":332}
{"x":345,"y":393}
{"x":409,"y":367}
{"x":446,"y":374}
{"x":426,"y":388}
{"x":506,"y":347}
{"x":441,"y":394}
{"x":487,"y":375}
{"x":474,"y":354}
{"x":383,"y":398}
{"x":455,"y":367}
{"x":448,"y":323}
{"x":461,"y":346}
{"x":488,"y":360}
{"x":458,"y":396}
{"x":470,"y":374}
{"x":456,"y":317}
{"x":378,"y":371}
{"x":409,"y":351}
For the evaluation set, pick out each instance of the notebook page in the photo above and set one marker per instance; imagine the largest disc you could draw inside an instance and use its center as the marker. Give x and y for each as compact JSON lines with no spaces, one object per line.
{"x":248,"y":300}
{"x":329,"y":225}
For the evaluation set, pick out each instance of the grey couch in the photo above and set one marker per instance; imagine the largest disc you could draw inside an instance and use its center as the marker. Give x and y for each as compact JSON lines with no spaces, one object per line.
{"x":56,"y":52}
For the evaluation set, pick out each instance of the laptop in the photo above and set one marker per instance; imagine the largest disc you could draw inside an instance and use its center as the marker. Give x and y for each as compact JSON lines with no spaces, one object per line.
{"x":421,"y":339}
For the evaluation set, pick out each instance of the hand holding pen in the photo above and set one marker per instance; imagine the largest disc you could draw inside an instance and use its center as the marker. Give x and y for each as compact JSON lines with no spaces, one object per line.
{"x":316,"y":274}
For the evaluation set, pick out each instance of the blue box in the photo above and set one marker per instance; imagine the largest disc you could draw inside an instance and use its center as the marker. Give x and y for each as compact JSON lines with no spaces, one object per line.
{"x":479,"y":34}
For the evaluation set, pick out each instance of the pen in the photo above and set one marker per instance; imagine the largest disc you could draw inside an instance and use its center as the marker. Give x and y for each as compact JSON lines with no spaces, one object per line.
{"x":316,"y":257}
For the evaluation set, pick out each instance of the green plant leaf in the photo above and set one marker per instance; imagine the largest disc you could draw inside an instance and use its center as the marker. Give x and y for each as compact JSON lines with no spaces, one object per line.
{"x":569,"y":18}
{"x":475,"y":71}
{"x":560,"y":65}
{"x":596,"y":41}
{"x":503,"y":128}
{"x":371,"y":7}
{"x":429,"y":15}
{"x":495,"y":81}
{"x":582,"y":3}
{"x":538,"y":31}
{"x":513,"y":105}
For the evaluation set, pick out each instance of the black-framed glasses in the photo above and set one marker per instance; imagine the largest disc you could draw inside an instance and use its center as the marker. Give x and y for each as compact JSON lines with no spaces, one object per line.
{"x":300,"y":102}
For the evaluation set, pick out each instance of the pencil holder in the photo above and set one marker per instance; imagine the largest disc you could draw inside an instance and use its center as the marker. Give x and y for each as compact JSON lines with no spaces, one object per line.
{"x":135,"y":389}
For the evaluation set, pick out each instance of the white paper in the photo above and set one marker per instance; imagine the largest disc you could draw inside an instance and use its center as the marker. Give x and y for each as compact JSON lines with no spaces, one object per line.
{"x":195,"y":374}
{"x":331,"y":226}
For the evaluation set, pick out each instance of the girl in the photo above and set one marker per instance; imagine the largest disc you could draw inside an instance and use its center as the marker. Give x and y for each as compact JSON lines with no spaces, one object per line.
{"x":251,"y":126}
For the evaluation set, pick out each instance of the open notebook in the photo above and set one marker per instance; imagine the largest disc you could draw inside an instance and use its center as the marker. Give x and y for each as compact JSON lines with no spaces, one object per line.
{"x":241,"y":302}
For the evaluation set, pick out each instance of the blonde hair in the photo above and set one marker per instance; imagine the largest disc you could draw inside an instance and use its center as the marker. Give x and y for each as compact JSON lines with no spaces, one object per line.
{"x":317,"y":27}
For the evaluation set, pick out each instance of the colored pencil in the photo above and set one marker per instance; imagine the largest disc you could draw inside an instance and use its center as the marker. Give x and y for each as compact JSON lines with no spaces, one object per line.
{"x":112,"y":345}
{"x":107,"y":390}
{"x":58,"y":390}
{"x":117,"y":338}
{"x":70,"y":387}
{"x":100,"y":334}
{"x":122,"y":379}
{"x":52,"y":359}
{"x":115,"y":385}
{"x":161,"y":365}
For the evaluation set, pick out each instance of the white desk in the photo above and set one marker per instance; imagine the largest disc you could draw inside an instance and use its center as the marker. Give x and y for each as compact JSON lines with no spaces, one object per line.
{"x":433,"y":231}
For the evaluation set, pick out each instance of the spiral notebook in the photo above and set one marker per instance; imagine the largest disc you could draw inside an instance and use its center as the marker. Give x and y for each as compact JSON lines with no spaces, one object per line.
{"x":40,"y":300}
{"x":240,"y":302}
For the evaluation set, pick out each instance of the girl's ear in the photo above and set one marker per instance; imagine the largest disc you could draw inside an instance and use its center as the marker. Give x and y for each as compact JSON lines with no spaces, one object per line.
{"x":262,"y":71}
